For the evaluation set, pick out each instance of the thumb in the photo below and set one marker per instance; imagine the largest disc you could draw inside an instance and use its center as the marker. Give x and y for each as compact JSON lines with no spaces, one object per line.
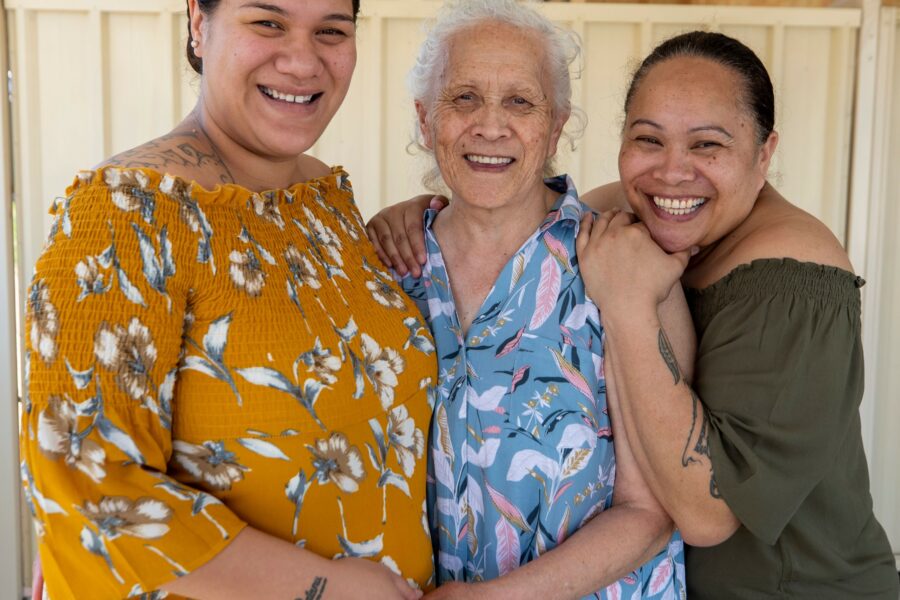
{"x":438,"y":202}
{"x":683,"y":257}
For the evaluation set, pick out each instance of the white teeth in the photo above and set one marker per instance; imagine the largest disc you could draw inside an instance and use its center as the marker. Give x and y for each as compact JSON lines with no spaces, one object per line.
{"x":489,"y":160}
{"x":286,"y":97}
{"x":678,"y":206}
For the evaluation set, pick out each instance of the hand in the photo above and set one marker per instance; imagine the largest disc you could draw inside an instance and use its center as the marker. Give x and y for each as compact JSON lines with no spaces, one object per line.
{"x":37,"y":579}
{"x":622,"y":266}
{"x":457,"y":590}
{"x":397,"y":233}
{"x":359,"y":577}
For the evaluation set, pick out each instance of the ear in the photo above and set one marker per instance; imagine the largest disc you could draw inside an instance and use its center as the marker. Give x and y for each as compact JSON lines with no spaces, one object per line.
{"x":424,"y":128}
{"x":558,"y":124}
{"x":197,"y":23}
{"x":766,"y":151}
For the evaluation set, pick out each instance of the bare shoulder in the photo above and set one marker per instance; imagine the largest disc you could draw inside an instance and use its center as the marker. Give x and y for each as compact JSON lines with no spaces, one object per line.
{"x":183,"y":152}
{"x":311,"y":167}
{"x":778,"y":229}
{"x":606,"y":197}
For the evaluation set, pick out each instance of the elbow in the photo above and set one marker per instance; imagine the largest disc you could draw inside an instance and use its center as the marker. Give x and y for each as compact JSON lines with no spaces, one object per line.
{"x":704,"y":531}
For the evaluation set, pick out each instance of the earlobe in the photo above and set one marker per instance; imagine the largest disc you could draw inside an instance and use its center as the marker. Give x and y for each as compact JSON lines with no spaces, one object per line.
{"x":767,"y":151}
{"x":196,"y":20}
{"x":424,"y":129}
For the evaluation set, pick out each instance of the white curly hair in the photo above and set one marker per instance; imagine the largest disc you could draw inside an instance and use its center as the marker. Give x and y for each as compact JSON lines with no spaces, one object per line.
{"x":563,"y":53}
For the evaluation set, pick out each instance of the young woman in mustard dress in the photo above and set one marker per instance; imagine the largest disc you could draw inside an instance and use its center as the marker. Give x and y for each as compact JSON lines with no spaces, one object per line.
{"x":225,"y":390}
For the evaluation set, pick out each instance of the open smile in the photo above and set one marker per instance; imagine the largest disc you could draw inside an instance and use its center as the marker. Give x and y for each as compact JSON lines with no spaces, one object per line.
{"x":678,"y":206}
{"x":289,"y":98}
{"x":489,"y":161}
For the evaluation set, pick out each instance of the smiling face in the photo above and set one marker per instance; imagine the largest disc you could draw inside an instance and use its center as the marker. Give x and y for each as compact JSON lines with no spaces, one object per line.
{"x":491,"y":124}
{"x":690,"y":162}
{"x":274,"y":71}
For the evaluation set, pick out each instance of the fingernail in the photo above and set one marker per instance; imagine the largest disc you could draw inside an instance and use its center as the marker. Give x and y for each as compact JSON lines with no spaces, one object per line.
{"x":695,"y":250}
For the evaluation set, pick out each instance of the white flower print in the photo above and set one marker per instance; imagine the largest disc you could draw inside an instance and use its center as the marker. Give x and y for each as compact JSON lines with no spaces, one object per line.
{"x":337,"y":461}
{"x":90,"y":278}
{"x":246,"y":272}
{"x":322,"y":362}
{"x":382,"y":366}
{"x":386,"y":294}
{"x":266,"y":207}
{"x":129,"y":352}
{"x":44,"y":321}
{"x":301,"y":267}
{"x":407,"y":441}
{"x":58,"y":436}
{"x":209,"y":463}
{"x":143,"y":518}
{"x":325,"y":237}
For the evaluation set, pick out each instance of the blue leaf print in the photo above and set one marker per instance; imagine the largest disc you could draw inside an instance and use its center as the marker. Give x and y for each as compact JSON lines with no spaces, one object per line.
{"x":367,"y":549}
{"x":379,"y":439}
{"x":265,"y":449}
{"x":81,"y":379}
{"x":295,"y":490}
{"x":271,"y":378}
{"x":119,"y":439}
{"x":217,"y":337}
{"x":93,"y":543}
{"x":391,"y":478}
{"x":157,"y":269}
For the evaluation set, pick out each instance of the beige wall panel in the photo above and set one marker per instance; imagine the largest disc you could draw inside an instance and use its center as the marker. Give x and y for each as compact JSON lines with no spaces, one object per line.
{"x":138,"y":95}
{"x":885,"y":482}
{"x":803,"y":121}
{"x":602,"y":98}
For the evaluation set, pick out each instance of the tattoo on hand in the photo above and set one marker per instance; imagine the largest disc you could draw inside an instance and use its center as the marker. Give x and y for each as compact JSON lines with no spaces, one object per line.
{"x":696,"y":448}
{"x":665,"y":350}
{"x":316,"y":591}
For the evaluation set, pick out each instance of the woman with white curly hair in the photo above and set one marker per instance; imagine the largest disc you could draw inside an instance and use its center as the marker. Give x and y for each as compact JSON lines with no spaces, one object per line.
{"x":528,"y":495}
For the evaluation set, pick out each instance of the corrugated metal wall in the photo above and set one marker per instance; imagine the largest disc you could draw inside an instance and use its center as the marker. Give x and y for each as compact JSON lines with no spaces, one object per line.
{"x":94,"y":77}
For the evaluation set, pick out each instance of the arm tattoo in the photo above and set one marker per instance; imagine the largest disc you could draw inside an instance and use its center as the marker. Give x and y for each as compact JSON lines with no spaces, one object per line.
{"x":316,"y":591}
{"x":665,"y":350}
{"x":696,"y":448}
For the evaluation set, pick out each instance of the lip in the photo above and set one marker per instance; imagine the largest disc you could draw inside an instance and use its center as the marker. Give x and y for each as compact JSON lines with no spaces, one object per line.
{"x":687,"y":200}
{"x":287,"y":97}
{"x":488,"y":163}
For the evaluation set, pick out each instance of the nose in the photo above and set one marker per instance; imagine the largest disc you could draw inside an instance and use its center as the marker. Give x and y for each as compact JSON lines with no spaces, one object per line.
{"x":299,"y":57}
{"x":491,"y":122}
{"x":675,"y":167}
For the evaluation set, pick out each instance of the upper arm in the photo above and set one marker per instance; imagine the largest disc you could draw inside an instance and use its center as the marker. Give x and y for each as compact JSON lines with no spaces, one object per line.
{"x":606,"y":197}
{"x":781,"y":377}
{"x":105,"y":321}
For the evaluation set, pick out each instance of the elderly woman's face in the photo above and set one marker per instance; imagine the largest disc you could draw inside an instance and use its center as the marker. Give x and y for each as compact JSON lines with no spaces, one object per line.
{"x":492,"y":125}
{"x":690,"y":162}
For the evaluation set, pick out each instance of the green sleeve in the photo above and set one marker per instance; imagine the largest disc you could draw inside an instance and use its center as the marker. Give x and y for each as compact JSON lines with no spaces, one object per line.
{"x":781,"y":373}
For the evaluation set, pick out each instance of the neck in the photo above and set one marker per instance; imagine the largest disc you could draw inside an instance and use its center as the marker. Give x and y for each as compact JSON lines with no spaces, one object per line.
{"x":242,"y":165}
{"x":502,"y":230}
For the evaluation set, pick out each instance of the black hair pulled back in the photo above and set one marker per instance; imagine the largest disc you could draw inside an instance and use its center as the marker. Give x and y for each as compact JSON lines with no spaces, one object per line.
{"x":208,"y":7}
{"x":758,"y":95}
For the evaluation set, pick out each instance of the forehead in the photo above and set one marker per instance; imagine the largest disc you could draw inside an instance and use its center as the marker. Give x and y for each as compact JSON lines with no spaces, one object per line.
{"x":688,"y":83}
{"x":495,"y":52}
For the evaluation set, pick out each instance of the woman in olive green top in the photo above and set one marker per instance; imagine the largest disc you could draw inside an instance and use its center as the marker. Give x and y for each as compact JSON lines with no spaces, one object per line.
{"x":759,"y":460}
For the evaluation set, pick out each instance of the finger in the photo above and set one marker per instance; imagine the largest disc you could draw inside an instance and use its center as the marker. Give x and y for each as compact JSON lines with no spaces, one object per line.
{"x":372,"y":234}
{"x":389,"y":248}
{"x":406,"y":591}
{"x":584,"y":232}
{"x":683,"y":257}
{"x":438,"y":203}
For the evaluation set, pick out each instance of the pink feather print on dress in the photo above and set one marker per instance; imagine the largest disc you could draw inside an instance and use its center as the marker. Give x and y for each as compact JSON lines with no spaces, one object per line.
{"x":508,"y":548}
{"x":506,"y":508}
{"x":572,"y":375}
{"x":547,"y":292}
{"x":558,"y":251}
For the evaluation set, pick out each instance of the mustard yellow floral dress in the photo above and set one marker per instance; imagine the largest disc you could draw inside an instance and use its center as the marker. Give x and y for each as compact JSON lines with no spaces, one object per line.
{"x":198,"y":360}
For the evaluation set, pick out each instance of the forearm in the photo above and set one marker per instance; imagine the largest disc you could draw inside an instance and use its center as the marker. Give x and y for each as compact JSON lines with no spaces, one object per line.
{"x":258,"y":565}
{"x":668,"y":426}
{"x":613,"y":544}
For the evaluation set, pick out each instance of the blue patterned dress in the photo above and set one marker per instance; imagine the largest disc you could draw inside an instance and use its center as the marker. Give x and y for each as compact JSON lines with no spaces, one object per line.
{"x":521,"y":448}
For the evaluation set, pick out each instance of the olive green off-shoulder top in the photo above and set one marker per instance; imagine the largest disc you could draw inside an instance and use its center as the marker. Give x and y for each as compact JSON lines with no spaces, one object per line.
{"x":780,"y":369}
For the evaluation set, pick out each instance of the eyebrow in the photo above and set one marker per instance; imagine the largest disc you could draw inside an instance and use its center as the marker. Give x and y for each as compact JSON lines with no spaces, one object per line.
{"x":280,"y":11}
{"x":656,"y":125}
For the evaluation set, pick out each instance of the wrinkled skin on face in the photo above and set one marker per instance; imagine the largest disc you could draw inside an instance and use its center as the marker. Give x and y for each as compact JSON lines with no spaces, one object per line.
{"x":492,"y":125}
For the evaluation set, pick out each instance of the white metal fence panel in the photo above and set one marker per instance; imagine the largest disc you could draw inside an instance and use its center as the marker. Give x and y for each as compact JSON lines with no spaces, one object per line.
{"x":95,"y":77}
